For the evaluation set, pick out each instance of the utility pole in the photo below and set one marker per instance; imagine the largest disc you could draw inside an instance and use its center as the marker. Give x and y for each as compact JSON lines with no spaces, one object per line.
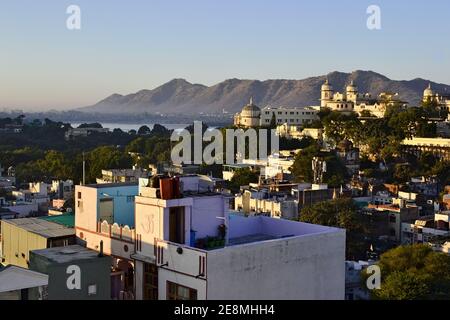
{"x":84,"y":170}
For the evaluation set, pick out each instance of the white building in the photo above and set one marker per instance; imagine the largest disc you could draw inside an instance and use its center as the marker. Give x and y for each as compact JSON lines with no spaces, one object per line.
{"x":262,"y":202}
{"x":426,"y":229}
{"x":17,"y":283}
{"x":352,"y":101}
{"x":252,"y":116}
{"x":123,"y":175}
{"x":63,"y":189}
{"x":277,"y":164}
{"x":443,"y":101}
{"x":185,"y":245}
{"x":299,"y":132}
{"x":7,"y":181}
{"x":30,"y":199}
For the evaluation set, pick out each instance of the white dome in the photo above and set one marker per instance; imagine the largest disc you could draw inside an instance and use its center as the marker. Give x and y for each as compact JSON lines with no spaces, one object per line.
{"x":326,"y":86}
{"x":351,"y":87}
{"x":428,"y":91}
{"x":251,"y":110}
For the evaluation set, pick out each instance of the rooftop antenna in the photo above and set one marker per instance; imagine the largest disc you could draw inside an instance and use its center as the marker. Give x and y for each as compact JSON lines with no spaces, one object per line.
{"x":319,"y":167}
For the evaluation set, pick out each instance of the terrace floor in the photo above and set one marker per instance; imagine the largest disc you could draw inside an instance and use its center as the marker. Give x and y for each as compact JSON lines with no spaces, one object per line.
{"x":250,"y":238}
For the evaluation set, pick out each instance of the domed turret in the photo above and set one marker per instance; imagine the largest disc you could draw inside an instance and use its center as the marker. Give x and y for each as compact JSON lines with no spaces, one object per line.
{"x":251,"y":108}
{"x":326,"y":94}
{"x":327,"y":86}
{"x":352,"y":92}
{"x":352,"y":88}
{"x":250,"y":115}
{"x":428,"y":93}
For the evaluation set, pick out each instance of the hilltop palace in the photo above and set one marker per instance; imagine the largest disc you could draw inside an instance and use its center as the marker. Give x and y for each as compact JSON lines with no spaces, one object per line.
{"x":349,"y":101}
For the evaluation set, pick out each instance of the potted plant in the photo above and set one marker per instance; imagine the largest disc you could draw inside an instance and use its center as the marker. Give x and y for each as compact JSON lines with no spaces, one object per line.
{"x":222,"y":230}
{"x":200,"y":243}
{"x":209,"y":242}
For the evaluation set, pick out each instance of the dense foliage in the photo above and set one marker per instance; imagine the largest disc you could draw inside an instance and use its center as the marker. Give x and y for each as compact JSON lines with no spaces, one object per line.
{"x":414,"y":273}
{"x":340,"y":213}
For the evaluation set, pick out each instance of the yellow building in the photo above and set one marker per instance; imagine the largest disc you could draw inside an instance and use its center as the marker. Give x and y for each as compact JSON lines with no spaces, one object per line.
{"x":20,"y":236}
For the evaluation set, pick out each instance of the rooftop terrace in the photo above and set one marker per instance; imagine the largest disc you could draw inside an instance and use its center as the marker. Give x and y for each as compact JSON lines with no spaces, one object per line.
{"x":67,"y":254}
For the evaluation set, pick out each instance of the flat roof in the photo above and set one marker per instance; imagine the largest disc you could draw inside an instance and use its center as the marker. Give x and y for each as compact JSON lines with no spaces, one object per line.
{"x":67,"y":254}
{"x":42,"y":227}
{"x":112,"y":185}
{"x":16,"y":278}
{"x":256,"y":229}
{"x":67,"y":220}
{"x":257,"y":237}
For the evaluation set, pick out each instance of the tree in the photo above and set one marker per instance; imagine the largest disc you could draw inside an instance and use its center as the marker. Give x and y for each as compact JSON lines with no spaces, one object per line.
{"x":366,"y":114}
{"x":160,"y":130}
{"x":91,"y":125}
{"x":340,"y":213}
{"x":55,"y":165}
{"x":243,"y":177}
{"x":339,"y":126}
{"x":442,"y":170}
{"x":302,"y":169}
{"x":414,"y":272}
{"x":402,"y":172}
{"x":144,"y":130}
{"x":103,"y":158}
{"x":273,"y":122}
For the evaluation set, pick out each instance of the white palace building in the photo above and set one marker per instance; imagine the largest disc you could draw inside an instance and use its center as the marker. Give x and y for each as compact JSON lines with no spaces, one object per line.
{"x":252,"y":116}
{"x":353,"y":101}
{"x":347,"y":102}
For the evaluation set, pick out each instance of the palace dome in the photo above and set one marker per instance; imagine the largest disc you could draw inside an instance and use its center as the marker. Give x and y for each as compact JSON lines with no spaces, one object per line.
{"x":251,"y":110}
{"x":351,"y":87}
{"x":326,"y":86}
{"x":428,"y":91}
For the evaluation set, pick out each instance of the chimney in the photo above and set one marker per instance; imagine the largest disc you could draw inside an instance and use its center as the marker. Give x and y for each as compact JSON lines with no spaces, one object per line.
{"x":101,"y":249}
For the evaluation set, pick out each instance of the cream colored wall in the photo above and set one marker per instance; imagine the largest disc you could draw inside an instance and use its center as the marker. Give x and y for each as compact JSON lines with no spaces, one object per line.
{"x":111,"y":246}
{"x":86,"y":211}
{"x":18,"y":241}
{"x":190,"y":282}
{"x":150,"y":216}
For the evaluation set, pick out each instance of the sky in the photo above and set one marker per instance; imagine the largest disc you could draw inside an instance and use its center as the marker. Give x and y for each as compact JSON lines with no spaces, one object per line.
{"x":125,"y":46}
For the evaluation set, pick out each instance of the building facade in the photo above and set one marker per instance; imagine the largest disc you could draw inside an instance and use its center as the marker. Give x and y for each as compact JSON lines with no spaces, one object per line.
{"x":184,"y":244}
{"x":252,"y":116}
{"x":352,"y":101}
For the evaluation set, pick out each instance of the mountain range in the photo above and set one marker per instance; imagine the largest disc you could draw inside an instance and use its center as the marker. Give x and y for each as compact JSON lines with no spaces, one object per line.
{"x":182,"y":97}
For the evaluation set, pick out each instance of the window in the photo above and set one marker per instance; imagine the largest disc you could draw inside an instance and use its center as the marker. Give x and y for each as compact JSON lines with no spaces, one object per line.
{"x":79,"y":195}
{"x":92,"y":290}
{"x":176,"y":225}
{"x":150,"y":282}
{"x":179,"y":292}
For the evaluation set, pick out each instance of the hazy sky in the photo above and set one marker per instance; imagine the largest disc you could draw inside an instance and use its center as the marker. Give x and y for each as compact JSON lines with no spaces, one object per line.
{"x":125,"y":46}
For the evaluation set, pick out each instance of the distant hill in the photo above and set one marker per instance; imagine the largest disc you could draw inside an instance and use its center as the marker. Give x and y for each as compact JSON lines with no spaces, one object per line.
{"x":180,"y":96}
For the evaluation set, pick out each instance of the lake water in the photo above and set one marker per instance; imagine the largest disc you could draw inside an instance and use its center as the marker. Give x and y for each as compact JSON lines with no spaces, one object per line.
{"x":135,"y":126}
